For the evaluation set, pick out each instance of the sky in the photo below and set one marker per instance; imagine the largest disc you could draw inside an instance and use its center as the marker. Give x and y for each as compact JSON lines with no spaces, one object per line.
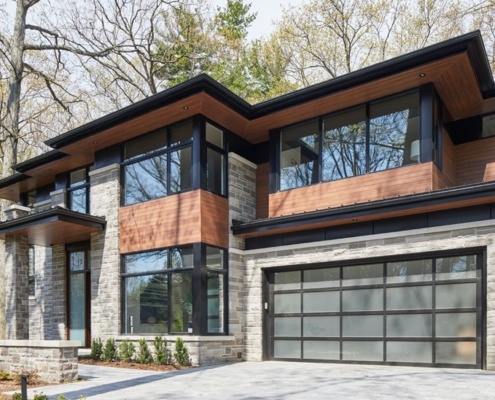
{"x":268,"y":11}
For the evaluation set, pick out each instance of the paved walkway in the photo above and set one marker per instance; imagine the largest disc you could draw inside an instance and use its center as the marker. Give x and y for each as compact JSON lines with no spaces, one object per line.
{"x":278,"y":380}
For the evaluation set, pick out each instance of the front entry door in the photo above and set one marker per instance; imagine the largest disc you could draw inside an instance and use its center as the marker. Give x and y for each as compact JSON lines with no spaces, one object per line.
{"x":79,"y":297}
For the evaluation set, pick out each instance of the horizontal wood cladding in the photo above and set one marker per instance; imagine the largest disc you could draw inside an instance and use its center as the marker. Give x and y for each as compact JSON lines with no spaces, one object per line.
{"x":475,"y":162}
{"x":262,"y":190}
{"x":214,"y":219}
{"x":179,"y":219}
{"x":359,"y":189}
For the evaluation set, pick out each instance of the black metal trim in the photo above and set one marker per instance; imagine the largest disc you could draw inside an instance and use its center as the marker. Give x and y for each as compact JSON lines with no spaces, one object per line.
{"x":10,"y":180}
{"x":407,"y":202}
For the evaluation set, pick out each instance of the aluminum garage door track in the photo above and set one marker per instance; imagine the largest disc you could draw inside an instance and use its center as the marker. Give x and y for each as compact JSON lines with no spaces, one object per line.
{"x":278,"y":380}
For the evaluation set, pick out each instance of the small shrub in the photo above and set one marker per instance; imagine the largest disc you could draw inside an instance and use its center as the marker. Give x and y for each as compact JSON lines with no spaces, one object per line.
{"x":17,"y":396}
{"x":110,"y":350}
{"x":181,"y":354}
{"x":40,"y":396}
{"x":127,"y":351}
{"x":96,"y":349}
{"x":5,"y":376}
{"x":161,"y":353}
{"x":144,"y":353}
{"x":62,"y":397}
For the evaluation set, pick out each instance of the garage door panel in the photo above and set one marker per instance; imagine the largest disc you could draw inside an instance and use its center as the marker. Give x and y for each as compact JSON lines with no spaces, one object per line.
{"x":461,"y":295}
{"x":414,"y":352}
{"x":324,"y":326}
{"x":362,"y":326}
{"x":287,"y":303}
{"x":321,"y":302}
{"x":362,"y":300}
{"x":456,"y":325}
{"x":321,"y":278}
{"x":410,"y":298}
{"x":456,"y":353}
{"x":409,"y":325}
{"x":362,"y":351}
{"x":321,"y":350}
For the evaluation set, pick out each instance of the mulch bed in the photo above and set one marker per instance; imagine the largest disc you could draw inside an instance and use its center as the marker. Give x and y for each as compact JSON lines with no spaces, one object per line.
{"x":131,"y":365}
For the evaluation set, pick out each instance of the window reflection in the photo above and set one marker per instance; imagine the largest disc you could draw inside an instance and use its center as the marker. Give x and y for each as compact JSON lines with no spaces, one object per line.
{"x":299,"y":156}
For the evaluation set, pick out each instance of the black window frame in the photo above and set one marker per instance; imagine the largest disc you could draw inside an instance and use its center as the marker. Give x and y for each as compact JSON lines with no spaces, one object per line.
{"x":198,"y":320}
{"x":430,"y":135}
{"x":167,"y":150}
{"x":85,"y":185}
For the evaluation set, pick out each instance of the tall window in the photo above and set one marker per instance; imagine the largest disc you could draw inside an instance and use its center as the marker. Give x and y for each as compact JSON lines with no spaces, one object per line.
{"x":31,"y":272}
{"x":215,"y":160}
{"x":158,"y":291}
{"x":78,"y":190}
{"x":374,"y":137}
{"x":158,"y":164}
{"x":216,"y":289}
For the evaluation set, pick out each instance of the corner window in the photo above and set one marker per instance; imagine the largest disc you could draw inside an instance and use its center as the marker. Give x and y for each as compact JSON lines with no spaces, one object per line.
{"x":78,"y":190}
{"x":215,"y":160}
{"x":299,"y":156}
{"x":158,"y":164}
{"x":31,"y":271}
{"x":216,"y":289}
{"x":376,"y":136}
{"x":157,"y":293}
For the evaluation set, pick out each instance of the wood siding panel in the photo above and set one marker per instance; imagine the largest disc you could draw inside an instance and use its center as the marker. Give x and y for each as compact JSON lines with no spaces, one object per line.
{"x":360,"y":189}
{"x":214,"y":220}
{"x":185,"y":218}
{"x":164,"y":222}
{"x":475,"y":162}
{"x":262,"y":190}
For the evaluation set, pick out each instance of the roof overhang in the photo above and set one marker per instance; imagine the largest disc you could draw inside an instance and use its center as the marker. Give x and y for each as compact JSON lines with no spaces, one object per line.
{"x":458,"y":197}
{"x":54,"y":226}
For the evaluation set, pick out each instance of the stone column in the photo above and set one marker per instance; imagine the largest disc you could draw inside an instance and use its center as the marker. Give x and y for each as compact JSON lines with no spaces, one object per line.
{"x":105,"y":256}
{"x":17,"y":279}
{"x":242,"y":207}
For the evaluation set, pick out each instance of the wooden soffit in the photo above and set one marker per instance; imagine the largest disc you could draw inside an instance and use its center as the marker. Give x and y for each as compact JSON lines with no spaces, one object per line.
{"x":55,"y":226}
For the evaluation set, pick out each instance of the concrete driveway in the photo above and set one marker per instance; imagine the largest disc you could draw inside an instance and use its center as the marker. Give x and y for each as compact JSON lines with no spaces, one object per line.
{"x":278,"y":380}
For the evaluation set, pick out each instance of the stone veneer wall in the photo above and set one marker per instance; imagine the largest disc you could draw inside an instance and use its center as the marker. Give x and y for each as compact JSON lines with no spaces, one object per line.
{"x":17,"y":302}
{"x":242,"y":207}
{"x":461,"y":236}
{"x":105,"y":257}
{"x":54,"y":361}
{"x":41,"y":326}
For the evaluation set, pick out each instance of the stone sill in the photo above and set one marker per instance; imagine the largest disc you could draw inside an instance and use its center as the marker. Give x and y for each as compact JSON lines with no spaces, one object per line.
{"x":186,"y":338}
{"x":56,"y":344}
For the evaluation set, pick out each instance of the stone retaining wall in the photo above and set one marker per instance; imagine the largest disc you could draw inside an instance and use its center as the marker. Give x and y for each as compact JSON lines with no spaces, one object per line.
{"x":53,"y":361}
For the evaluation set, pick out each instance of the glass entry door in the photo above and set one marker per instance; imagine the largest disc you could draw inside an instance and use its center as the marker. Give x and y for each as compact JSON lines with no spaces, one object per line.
{"x":79,"y":297}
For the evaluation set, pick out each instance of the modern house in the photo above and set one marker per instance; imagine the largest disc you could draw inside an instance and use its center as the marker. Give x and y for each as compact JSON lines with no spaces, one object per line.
{"x":350,"y":221}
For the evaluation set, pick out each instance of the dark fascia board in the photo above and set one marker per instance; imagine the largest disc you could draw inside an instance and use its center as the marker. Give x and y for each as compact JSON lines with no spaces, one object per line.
{"x":472,"y":43}
{"x":410,"y":202}
{"x":52,"y":155}
{"x":54,"y":214}
{"x":198,"y":84}
{"x":12,"y":179}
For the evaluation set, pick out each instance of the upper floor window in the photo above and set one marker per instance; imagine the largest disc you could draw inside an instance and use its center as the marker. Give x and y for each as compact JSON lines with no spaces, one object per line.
{"x":215,"y":160}
{"x":376,"y":136}
{"x":78,"y":190}
{"x":158,"y":164}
